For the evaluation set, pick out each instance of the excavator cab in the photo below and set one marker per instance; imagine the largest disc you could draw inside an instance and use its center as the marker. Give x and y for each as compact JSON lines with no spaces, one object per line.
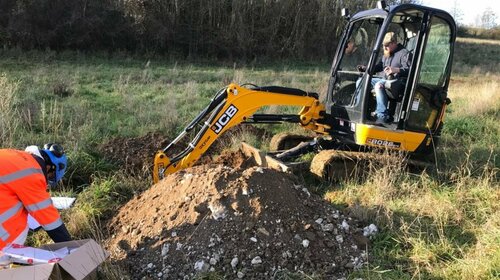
{"x":345,"y":130}
{"x":416,"y":103}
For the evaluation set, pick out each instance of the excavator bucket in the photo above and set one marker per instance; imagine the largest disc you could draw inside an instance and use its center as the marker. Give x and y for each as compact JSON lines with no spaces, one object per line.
{"x":160,"y":164}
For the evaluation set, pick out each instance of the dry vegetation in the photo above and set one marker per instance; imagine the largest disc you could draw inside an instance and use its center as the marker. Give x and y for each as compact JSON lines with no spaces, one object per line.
{"x":437,"y":225}
{"x":443,"y":225}
{"x":9,"y":119}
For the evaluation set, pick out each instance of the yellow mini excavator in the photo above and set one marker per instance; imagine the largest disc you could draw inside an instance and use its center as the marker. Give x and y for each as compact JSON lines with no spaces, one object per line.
{"x":344,"y":122}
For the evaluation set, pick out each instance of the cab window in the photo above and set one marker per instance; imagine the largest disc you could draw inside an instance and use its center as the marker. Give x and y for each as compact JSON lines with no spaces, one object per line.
{"x":429,"y":94}
{"x":357,"y":50}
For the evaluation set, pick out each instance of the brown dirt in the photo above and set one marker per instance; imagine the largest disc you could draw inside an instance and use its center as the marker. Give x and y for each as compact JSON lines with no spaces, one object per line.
{"x":228,"y":216}
{"x":234,"y":159}
{"x":136,"y":155}
{"x":238,"y":221}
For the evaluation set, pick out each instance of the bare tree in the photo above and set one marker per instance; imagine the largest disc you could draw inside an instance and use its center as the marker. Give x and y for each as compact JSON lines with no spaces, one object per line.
{"x":488,"y":18}
{"x":244,"y":29}
{"x":456,"y":12}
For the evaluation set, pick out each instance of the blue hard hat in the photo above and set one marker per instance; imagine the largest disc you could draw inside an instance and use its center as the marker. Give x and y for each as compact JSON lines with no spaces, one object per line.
{"x":58,"y":161}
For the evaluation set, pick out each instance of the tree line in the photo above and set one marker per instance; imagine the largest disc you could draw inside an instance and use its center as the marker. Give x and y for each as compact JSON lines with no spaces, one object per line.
{"x":188,"y":28}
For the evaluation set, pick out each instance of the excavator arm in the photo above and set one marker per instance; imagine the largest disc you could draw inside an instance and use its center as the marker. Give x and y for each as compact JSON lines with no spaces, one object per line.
{"x":231,"y":106}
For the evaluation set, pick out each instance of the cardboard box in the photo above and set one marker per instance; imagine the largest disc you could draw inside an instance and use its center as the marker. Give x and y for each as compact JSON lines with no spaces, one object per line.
{"x":78,"y":265}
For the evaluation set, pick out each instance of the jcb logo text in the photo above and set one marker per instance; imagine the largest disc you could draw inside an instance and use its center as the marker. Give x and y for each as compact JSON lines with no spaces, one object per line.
{"x":224,"y":119}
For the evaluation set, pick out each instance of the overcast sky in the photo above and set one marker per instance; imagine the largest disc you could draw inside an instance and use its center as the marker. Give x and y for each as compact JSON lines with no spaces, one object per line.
{"x":470,"y":8}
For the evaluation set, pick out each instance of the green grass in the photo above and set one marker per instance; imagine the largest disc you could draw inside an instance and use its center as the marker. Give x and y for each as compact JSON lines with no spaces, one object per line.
{"x":440,"y":225}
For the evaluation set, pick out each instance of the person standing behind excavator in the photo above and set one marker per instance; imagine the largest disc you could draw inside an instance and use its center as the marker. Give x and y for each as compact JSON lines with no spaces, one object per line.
{"x":24,"y":177}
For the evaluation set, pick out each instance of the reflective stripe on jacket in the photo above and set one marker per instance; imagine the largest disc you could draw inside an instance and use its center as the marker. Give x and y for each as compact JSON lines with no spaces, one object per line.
{"x":23,"y":190}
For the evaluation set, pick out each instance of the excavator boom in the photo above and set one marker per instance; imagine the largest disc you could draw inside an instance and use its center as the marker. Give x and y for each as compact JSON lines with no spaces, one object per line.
{"x":231,"y":106}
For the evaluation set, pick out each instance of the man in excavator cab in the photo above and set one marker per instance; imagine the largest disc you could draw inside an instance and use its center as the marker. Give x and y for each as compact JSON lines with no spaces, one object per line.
{"x":413,"y":114}
{"x":395,"y":64}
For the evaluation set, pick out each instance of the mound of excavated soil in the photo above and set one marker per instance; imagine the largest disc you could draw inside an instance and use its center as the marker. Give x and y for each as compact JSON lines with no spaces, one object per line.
{"x":253,"y":223}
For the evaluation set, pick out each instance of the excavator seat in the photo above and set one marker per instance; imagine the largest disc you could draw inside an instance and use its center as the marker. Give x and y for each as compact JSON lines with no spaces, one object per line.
{"x":395,"y":88}
{"x":395,"y":92}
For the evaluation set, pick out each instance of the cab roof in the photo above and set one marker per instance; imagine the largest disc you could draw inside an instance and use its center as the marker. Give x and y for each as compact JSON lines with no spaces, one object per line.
{"x":394,"y":9}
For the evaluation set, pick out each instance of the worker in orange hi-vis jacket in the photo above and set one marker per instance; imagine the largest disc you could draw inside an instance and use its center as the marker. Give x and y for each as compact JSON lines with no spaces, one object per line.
{"x":24,"y":177}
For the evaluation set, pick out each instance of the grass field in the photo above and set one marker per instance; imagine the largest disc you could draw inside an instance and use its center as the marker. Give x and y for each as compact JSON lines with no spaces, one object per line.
{"x":440,"y":225}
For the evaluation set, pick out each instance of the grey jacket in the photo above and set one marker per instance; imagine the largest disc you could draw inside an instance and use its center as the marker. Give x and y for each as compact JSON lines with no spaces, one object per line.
{"x":401,"y":58}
